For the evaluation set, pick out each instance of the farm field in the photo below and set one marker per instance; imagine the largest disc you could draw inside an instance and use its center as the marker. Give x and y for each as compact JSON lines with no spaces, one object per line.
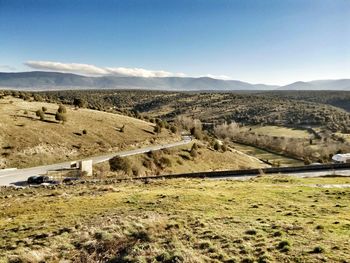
{"x":266,"y":219}
{"x":265,"y":155}
{"x":278,"y":131}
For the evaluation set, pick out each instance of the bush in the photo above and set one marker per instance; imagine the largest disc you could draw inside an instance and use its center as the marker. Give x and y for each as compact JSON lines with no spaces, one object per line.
{"x":60,"y":117}
{"x":164,"y":162}
{"x":194,"y":152}
{"x":217,"y":146}
{"x":40,"y":114}
{"x":197,"y":133}
{"x":173,"y":129}
{"x":80,"y":103}
{"x":44,"y":109}
{"x":224,"y":148}
{"x":118,"y":163}
{"x":62,"y":109}
{"x":122,"y":129}
{"x":84,"y":131}
{"x":157,"y":129}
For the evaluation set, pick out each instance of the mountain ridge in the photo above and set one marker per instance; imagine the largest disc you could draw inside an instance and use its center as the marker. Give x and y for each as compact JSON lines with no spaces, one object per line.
{"x":47,"y":80}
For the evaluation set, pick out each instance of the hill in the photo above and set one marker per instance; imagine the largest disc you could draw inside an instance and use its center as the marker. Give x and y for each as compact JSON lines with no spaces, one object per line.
{"x":39,"y":80}
{"x":339,"y":84}
{"x":27,"y":141}
{"x":266,"y":108}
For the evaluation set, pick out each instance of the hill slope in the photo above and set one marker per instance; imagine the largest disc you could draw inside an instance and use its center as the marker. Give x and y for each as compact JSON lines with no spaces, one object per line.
{"x":27,"y":141}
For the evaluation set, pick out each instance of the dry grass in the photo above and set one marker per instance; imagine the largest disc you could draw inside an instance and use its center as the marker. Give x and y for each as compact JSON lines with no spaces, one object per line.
{"x":27,"y":141}
{"x":269,"y":219}
{"x":179,"y":160}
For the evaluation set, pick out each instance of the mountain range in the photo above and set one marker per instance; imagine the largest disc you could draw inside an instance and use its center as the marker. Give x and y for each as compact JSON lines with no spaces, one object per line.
{"x":43,"y":80}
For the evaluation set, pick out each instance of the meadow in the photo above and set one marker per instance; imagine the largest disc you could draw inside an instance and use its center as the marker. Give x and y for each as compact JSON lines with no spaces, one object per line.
{"x":265,"y":219}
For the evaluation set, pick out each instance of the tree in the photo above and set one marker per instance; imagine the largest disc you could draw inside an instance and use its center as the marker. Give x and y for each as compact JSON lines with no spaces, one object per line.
{"x":40,"y":114}
{"x":79,"y":103}
{"x":44,"y":109}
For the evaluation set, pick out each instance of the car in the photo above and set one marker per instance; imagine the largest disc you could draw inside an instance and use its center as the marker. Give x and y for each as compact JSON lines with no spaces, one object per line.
{"x":38,"y":179}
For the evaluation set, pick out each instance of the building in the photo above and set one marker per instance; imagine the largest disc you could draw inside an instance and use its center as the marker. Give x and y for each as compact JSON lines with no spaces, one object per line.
{"x":341,"y":158}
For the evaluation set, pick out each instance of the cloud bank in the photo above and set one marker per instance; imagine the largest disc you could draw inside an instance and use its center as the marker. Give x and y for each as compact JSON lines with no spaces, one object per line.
{"x":93,"y":70}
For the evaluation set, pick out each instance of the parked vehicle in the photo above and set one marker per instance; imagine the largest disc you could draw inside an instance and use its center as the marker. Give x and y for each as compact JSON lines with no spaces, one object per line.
{"x":38,"y":179}
{"x":341,"y":158}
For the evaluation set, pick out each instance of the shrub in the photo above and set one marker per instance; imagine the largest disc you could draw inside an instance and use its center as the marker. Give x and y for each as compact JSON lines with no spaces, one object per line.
{"x":173,"y":129}
{"x":40,"y":114}
{"x":194,"y":152}
{"x":157,"y":129}
{"x":80,"y":103}
{"x":44,"y":109}
{"x":122,"y":129}
{"x":62,"y":109}
{"x":284,"y":245}
{"x":217,"y":146}
{"x":197,"y":133}
{"x":84,"y":131}
{"x":224,"y":148}
{"x":165,"y":162}
{"x":118,"y":163}
{"x":317,"y":250}
{"x":60,"y":117}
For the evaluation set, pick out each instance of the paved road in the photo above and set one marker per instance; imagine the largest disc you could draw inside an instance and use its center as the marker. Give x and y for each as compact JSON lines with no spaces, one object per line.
{"x":343,"y":172}
{"x":8,"y":177}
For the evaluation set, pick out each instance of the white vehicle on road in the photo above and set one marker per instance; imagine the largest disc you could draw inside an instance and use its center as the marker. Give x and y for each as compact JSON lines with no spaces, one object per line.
{"x":341,"y":158}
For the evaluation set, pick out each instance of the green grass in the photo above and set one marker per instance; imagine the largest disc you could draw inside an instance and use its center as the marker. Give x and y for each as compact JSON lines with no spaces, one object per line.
{"x":280,"y":131}
{"x":276,"y":219}
{"x":265,"y":155}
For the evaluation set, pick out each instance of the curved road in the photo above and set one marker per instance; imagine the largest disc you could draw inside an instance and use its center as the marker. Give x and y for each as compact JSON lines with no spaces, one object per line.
{"x":10,"y":176}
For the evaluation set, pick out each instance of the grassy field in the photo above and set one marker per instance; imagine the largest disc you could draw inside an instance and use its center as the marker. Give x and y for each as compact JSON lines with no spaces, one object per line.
{"x":279,"y":131}
{"x":265,"y":155}
{"x":27,"y":141}
{"x":268,"y":219}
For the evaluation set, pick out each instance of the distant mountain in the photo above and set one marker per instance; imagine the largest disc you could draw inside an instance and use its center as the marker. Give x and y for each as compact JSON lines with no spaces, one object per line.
{"x":339,"y":84}
{"x":43,"y":80}
{"x":39,"y":80}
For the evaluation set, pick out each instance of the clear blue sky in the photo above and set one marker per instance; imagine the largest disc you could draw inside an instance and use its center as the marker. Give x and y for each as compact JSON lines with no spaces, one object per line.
{"x":259,"y":41}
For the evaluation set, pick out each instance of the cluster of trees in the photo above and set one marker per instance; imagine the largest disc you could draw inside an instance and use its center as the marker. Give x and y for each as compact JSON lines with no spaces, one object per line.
{"x":60,"y":115}
{"x":300,"y":148}
{"x":264,"y":108}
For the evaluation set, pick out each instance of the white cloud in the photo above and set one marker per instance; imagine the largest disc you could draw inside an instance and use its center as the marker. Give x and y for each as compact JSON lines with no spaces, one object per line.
{"x":223,"y":77}
{"x":99,"y":71}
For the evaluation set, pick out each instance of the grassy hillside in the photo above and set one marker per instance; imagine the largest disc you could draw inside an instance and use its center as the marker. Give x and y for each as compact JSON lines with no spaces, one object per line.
{"x":182,"y":159}
{"x":269,"y":219}
{"x":25,"y":140}
{"x":272,"y":108}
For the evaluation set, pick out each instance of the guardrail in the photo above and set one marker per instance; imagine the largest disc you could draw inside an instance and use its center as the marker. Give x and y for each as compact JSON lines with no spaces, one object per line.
{"x":252,"y":172}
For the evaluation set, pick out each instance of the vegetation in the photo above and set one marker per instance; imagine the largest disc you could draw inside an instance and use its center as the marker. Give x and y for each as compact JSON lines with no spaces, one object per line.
{"x":268,"y":219}
{"x":25,"y":143}
{"x":270,"y":108}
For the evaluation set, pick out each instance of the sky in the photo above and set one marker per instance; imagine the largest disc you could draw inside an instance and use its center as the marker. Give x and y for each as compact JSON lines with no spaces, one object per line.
{"x":258,"y":41}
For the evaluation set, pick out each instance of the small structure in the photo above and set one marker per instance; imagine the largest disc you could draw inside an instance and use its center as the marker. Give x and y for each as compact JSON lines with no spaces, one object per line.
{"x":85,"y":166}
{"x":341,"y":158}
